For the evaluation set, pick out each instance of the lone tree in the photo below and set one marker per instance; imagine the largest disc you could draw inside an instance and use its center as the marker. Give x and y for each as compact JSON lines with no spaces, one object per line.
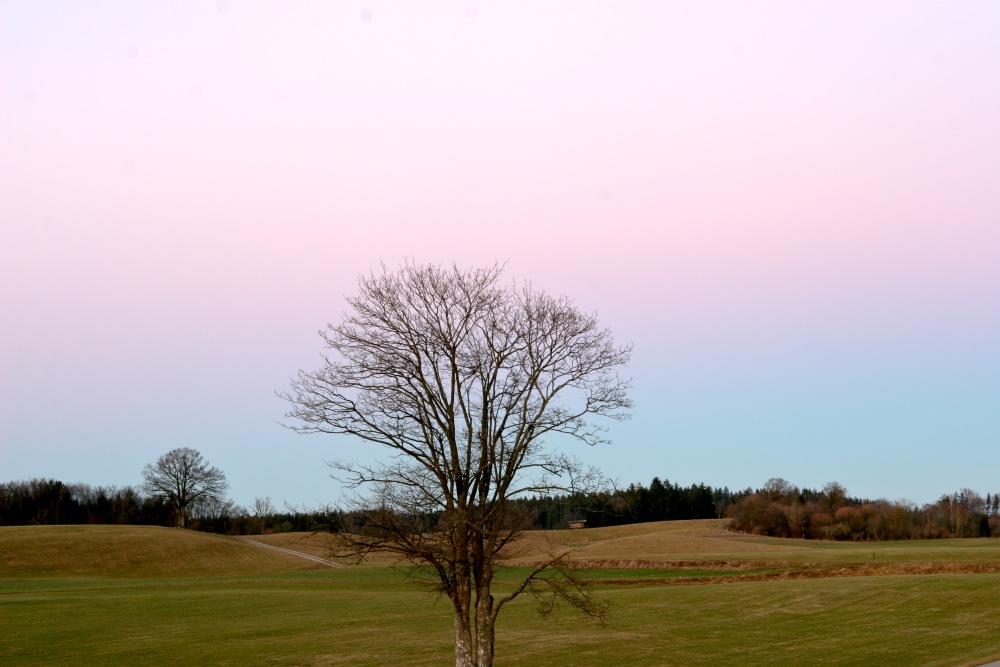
{"x":184,"y":478}
{"x":461,"y":377}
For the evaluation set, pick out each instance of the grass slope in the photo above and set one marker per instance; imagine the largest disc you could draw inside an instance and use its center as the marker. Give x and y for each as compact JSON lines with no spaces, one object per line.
{"x":705,"y":541}
{"x":130,"y":552}
{"x":709,"y":540}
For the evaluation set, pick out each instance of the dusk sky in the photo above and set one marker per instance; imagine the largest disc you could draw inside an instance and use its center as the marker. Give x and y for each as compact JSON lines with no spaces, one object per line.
{"x":792,"y":209}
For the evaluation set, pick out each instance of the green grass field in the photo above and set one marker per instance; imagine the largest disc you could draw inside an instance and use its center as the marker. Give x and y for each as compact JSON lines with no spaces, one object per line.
{"x":125,"y":595}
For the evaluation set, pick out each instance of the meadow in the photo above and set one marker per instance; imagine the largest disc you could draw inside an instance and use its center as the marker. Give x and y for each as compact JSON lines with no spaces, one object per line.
{"x":681,"y":593}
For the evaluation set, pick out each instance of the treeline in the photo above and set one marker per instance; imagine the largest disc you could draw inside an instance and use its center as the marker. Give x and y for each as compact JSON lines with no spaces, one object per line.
{"x":51,"y":502}
{"x":46,"y":501}
{"x":660,"y":501}
{"x":780,"y":509}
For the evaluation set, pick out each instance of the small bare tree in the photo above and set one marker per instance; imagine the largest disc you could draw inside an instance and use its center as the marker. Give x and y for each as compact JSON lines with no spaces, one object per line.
{"x":461,"y":378}
{"x":184,"y":478}
{"x":262,"y":510}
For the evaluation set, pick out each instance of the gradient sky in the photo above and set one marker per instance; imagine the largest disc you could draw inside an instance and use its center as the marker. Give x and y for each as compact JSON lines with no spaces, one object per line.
{"x":792,"y":209}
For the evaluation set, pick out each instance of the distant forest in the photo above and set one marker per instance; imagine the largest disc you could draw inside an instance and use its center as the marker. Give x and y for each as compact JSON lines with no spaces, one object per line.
{"x":778,"y":509}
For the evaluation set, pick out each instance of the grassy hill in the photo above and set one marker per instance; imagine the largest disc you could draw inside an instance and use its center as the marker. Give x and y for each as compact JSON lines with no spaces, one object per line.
{"x":710,"y":541}
{"x":704,"y":541}
{"x":130,"y":552}
{"x":154,"y":552}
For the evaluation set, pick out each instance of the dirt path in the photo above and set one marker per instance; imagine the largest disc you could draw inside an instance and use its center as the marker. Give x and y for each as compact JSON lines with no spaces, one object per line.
{"x":315,"y":559}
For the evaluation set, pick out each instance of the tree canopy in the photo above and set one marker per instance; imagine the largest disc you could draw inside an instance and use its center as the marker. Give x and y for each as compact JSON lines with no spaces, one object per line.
{"x":184,"y":477}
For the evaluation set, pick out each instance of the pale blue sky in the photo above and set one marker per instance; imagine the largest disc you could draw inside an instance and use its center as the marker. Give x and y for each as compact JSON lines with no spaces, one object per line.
{"x":790,"y":208}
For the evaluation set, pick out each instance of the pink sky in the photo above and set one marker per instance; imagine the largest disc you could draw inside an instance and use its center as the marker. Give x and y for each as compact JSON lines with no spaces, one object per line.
{"x":792,"y":209}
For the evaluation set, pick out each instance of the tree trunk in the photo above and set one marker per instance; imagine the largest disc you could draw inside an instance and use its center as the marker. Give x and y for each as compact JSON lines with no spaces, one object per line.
{"x":463,"y":639}
{"x":461,"y":597}
{"x":484,"y":629}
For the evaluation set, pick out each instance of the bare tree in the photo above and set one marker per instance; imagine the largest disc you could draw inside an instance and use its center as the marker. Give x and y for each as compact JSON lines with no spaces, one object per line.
{"x":213,"y":508}
{"x":262,"y":510}
{"x":184,"y":478}
{"x":777,"y":488}
{"x":461,"y":378}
